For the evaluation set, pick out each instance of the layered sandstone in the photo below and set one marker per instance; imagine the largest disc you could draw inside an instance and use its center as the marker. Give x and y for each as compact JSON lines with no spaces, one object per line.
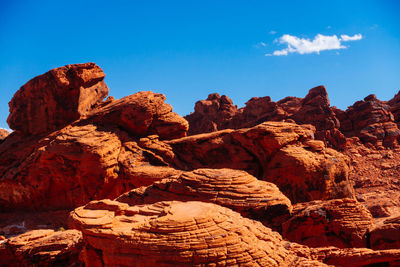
{"x":278,"y":152}
{"x":42,"y":248}
{"x":233,"y":189}
{"x":177,"y":234}
{"x":343,"y":223}
{"x":57,"y":98}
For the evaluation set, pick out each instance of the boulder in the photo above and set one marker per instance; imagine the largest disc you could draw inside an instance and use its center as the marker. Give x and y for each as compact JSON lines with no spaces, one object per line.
{"x":56,"y":98}
{"x":173,"y":233}
{"x":42,"y":248}
{"x":233,"y":189}
{"x":141,"y":114}
{"x":343,"y":223}
{"x":386,"y":235}
{"x":210,"y":115}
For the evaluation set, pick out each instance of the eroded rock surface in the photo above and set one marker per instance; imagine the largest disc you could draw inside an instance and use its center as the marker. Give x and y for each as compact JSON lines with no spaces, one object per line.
{"x":42,"y":248}
{"x":56,"y":98}
{"x":278,"y":152}
{"x":233,"y":189}
{"x":177,"y":234}
{"x":342,"y":223}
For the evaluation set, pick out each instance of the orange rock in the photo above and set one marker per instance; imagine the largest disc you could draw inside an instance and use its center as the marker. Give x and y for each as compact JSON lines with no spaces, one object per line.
{"x":40,"y":105}
{"x":387,"y":235}
{"x":142,"y":114}
{"x":273,"y":151}
{"x":72,"y":166}
{"x":3,"y":134}
{"x":342,"y":223}
{"x":347,"y":257}
{"x":233,"y":189}
{"x":42,"y":247}
{"x":177,"y":234}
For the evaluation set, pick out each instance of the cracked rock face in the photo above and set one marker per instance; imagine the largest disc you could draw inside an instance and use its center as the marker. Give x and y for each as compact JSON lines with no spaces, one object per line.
{"x":233,"y":189}
{"x":176,"y":233}
{"x":57,"y":98}
{"x":342,"y":223}
{"x":42,"y":248}
{"x":278,"y":152}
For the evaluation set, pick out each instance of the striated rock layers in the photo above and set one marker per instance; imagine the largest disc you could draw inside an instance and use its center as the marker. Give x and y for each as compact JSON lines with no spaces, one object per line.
{"x":42,"y":248}
{"x":177,"y":234}
{"x":89,"y":158}
{"x":374,"y":122}
{"x":233,"y":189}
{"x":278,"y":152}
{"x":107,"y":148}
{"x":180,"y":200}
{"x":343,"y":223}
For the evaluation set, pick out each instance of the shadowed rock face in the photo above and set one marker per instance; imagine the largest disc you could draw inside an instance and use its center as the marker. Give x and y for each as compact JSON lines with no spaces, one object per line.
{"x":176,"y":234}
{"x":57,"y":98}
{"x":341,"y":223}
{"x":233,"y":189}
{"x":42,"y":248}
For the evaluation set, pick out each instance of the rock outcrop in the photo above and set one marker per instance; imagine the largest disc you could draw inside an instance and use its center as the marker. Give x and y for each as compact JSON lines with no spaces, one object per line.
{"x":371,"y":120}
{"x":57,"y":98}
{"x":42,"y":248}
{"x":233,"y":189}
{"x":278,"y":152}
{"x":347,"y":257}
{"x":94,"y":155}
{"x":141,"y":114}
{"x":3,"y":134}
{"x":177,"y":234}
{"x":386,"y":235}
{"x":343,"y":223}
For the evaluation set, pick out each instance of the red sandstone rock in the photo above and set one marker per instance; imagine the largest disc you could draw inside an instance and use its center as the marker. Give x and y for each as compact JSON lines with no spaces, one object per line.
{"x":3,"y":134}
{"x":177,"y":234}
{"x":272,"y":151}
{"x":348,"y":257}
{"x":341,"y":223}
{"x":210,"y":115}
{"x":56,"y":98}
{"x":142,"y":114}
{"x":233,"y":189}
{"x":42,"y":248}
{"x":71,"y":167}
{"x":371,"y":121}
{"x":387,"y":235}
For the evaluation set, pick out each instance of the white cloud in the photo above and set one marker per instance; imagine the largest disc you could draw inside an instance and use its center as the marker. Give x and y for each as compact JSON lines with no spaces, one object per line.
{"x":307,"y":46}
{"x":355,"y":37}
{"x":263,"y":44}
{"x":272,"y":32}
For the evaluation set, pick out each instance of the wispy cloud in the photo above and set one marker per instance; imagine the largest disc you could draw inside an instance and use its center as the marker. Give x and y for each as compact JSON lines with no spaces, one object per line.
{"x":355,"y":37}
{"x":272,"y":32}
{"x":306,"y":46}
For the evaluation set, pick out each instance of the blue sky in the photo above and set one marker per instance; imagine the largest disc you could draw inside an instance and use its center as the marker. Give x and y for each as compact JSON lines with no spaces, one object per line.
{"x":188,"y":49}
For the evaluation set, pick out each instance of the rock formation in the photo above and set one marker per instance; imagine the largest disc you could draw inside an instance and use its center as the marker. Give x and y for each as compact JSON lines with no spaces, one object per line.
{"x":42,"y":248}
{"x":208,"y":198}
{"x":56,"y":98}
{"x":343,"y":223}
{"x":278,"y":152}
{"x":177,"y":234}
{"x":233,"y":189}
{"x":3,"y":134}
